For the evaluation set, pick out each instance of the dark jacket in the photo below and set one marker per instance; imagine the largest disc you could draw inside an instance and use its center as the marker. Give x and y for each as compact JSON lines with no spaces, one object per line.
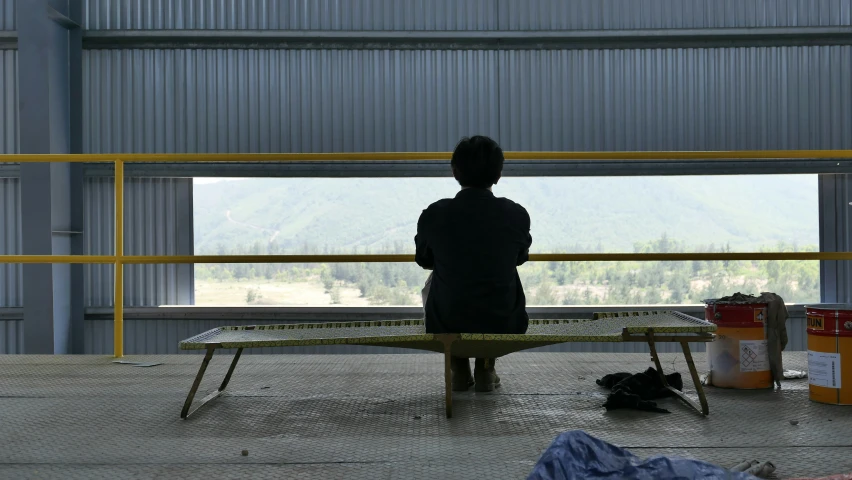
{"x":474,"y":243}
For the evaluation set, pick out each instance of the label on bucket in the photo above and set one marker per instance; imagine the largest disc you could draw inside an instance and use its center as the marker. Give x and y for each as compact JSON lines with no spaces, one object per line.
{"x":824,"y":369}
{"x":816,"y":322}
{"x":753,"y":356}
{"x":759,"y":314}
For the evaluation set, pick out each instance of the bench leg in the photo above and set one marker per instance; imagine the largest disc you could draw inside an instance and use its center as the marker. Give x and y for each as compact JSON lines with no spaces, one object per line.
{"x":699,"y":389}
{"x":185,"y":412}
{"x":653,"y":347}
{"x":703,"y":409}
{"x":231,"y":370}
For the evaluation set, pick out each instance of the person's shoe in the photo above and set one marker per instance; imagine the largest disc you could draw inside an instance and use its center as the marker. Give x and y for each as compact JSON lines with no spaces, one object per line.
{"x":462,"y":378}
{"x":484,"y":375}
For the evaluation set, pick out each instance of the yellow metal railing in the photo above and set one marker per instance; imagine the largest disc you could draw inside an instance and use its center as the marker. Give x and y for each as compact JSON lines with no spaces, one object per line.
{"x":404,"y":258}
{"x":119,"y":259}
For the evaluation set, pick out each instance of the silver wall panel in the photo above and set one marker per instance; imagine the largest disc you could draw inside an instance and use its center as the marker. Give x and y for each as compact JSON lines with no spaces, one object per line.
{"x":322,"y":101}
{"x":460,"y":14}
{"x":7,"y":14}
{"x":835,"y":223}
{"x":154,"y":208}
{"x":642,"y":14}
{"x":286,"y":100}
{"x":676,"y":99}
{"x":11,"y":336}
{"x":10,"y":242}
{"x":8,"y":101}
{"x":161,"y":336}
{"x":290,"y":14}
{"x":143,"y":337}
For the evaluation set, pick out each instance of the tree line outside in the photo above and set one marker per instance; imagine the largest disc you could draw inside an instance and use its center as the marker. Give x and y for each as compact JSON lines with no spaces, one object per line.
{"x":545,"y":283}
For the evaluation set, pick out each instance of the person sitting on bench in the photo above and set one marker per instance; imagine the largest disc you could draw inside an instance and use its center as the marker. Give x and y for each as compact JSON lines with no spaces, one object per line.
{"x":473,"y":243}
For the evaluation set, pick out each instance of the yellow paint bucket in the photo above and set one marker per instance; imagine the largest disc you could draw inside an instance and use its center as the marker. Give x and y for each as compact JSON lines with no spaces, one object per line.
{"x":738,"y":358}
{"x":830,"y":353}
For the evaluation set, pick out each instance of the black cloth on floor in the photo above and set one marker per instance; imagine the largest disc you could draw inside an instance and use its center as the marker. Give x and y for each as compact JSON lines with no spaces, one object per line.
{"x":637,"y":390}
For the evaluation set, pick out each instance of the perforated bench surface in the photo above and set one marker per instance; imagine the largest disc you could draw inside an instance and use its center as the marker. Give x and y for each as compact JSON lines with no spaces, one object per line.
{"x":647,"y":327}
{"x":412,"y":333}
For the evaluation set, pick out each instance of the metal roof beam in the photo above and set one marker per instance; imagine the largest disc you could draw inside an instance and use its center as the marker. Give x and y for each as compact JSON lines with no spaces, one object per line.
{"x":467,"y":40}
{"x":511,"y":168}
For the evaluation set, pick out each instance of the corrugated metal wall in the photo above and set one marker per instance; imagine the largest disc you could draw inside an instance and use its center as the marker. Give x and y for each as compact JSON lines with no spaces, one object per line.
{"x":322,"y":101}
{"x":639,"y":14}
{"x":11,"y":336}
{"x":10,"y":242}
{"x":153,"y":210}
{"x":461,"y":14}
{"x":161,"y":336}
{"x":676,"y":99}
{"x":11,"y":333}
{"x":287,"y":100}
{"x":7,"y":14}
{"x":10,"y":190}
{"x":10,"y":194}
{"x":8,"y":101}
{"x":291,"y":15}
{"x":836,"y":236}
{"x":11,"y":329}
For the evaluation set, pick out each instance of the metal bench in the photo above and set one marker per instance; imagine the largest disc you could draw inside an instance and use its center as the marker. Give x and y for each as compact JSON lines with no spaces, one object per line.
{"x":648,"y":327}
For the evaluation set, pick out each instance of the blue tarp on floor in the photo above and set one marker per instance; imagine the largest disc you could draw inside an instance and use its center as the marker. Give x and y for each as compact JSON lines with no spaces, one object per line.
{"x":577,"y":455}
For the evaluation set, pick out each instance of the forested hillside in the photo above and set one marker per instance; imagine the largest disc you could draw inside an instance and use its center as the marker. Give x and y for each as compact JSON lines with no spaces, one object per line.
{"x":660,"y":214}
{"x":608,"y":213}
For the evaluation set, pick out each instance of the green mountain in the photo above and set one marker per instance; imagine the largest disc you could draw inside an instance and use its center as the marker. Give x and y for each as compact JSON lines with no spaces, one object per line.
{"x":568,"y":214}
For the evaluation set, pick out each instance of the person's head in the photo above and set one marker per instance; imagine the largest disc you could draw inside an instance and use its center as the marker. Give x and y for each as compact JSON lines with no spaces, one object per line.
{"x":477,"y":162}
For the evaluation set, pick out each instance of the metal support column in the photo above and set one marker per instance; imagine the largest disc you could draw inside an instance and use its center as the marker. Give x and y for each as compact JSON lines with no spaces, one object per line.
{"x":118,"y":299}
{"x":52,"y":313}
{"x":78,"y":243}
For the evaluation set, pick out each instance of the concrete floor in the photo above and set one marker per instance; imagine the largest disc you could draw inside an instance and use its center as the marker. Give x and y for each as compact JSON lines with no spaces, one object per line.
{"x":377,"y":417}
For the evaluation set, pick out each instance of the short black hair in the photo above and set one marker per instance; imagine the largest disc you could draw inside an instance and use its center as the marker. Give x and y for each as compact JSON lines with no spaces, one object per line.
{"x":477,"y":162}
